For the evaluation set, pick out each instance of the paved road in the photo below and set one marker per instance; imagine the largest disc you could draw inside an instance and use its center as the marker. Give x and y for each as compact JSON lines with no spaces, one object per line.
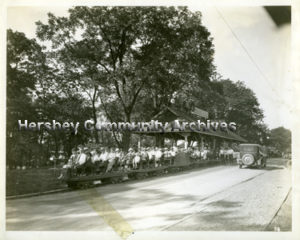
{"x":216,"y":198}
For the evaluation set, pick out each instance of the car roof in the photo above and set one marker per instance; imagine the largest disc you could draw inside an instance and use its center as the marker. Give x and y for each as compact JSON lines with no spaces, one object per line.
{"x":250,"y":144}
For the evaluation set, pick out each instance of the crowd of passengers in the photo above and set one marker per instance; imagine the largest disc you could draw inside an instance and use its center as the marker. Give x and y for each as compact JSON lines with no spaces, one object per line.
{"x":86,"y":161}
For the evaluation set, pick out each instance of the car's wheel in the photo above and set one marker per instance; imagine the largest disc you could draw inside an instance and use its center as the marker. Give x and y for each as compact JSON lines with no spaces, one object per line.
{"x":248,"y":159}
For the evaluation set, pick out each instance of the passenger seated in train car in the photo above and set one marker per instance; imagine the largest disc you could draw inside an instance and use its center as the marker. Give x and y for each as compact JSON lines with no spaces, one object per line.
{"x":73,"y":158}
{"x":151,"y":157}
{"x":103,"y":159}
{"x":174,"y":151}
{"x":198,"y":154}
{"x":167,"y":157}
{"x":96,"y":161}
{"x":129,"y":158}
{"x":157,"y":156}
{"x":205,"y":153}
{"x":81,"y":159}
{"x":189,"y":150}
{"x":88,"y":166}
{"x":136,"y":161}
{"x":144,"y":158}
{"x":111,"y":159}
{"x":217,"y":153}
{"x":195,"y":155}
{"x":122,"y":160}
{"x":67,"y":168}
{"x":118,"y":157}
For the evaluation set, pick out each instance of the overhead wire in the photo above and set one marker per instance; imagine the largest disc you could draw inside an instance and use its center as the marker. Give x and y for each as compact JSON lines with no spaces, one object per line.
{"x":249,"y":55}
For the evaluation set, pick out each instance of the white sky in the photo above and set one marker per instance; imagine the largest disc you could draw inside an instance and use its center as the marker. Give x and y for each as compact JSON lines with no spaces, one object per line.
{"x":268,"y":46}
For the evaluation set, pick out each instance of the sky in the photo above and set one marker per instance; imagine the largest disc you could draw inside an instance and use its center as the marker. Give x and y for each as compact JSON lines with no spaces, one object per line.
{"x":249,"y":47}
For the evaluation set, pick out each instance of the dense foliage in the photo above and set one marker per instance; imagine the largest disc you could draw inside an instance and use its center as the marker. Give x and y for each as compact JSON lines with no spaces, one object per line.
{"x":281,"y":138}
{"x":116,"y":64}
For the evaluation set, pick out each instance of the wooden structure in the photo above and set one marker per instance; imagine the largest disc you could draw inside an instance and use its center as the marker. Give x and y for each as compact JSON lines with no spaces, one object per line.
{"x":213,"y":138}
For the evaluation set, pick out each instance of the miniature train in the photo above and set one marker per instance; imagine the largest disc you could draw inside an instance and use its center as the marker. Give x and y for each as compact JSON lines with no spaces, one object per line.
{"x":183,"y":160}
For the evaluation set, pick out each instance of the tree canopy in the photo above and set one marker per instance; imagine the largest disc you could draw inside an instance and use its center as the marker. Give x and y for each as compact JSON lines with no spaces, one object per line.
{"x":122,"y":53}
{"x":119,"y":64}
{"x":281,"y":138}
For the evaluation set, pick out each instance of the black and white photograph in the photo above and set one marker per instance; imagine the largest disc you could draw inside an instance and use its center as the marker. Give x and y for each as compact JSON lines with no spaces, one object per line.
{"x":127,"y":119}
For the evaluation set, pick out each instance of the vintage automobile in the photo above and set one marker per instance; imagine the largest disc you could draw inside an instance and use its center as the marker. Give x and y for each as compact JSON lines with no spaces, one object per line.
{"x":252,"y":155}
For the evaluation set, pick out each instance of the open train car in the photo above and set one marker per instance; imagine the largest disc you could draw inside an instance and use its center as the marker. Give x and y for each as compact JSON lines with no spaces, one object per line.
{"x":182,"y":162}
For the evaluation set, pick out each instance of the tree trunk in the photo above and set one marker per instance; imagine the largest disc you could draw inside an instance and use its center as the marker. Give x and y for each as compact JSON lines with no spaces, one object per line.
{"x":127,"y":134}
{"x":126,"y":140}
{"x":95,"y":119}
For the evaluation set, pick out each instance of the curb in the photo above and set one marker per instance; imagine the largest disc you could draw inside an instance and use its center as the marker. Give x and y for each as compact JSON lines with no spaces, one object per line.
{"x":66,"y":189}
{"x":37,"y":194}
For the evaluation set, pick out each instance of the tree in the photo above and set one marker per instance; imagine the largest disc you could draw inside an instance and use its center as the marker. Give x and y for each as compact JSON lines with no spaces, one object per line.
{"x":117,"y":54}
{"x":229,"y":101}
{"x":281,"y":139}
{"x":23,"y":59}
{"x":35,"y":92}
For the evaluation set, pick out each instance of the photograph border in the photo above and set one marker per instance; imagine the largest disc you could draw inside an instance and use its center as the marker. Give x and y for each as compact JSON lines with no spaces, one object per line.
{"x":145,"y":235}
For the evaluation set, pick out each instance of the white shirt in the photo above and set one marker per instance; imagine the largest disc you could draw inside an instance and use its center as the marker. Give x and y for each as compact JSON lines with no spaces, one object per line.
{"x":95,"y":158}
{"x":230,"y":151}
{"x":151,"y":154}
{"x":158,"y":154}
{"x":111,"y":156}
{"x":173,"y":153}
{"x":82,"y":158}
{"x":118,"y":155}
{"x":104,"y":156}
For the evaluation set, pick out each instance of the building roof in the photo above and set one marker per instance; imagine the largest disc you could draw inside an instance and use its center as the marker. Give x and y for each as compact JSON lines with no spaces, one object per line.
{"x":170,"y":114}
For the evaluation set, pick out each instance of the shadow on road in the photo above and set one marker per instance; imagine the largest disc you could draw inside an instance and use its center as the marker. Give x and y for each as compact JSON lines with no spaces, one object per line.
{"x":221,"y":216}
{"x":267,"y":168}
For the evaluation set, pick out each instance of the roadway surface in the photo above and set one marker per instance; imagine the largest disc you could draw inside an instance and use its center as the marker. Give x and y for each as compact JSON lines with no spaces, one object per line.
{"x":220,"y":198}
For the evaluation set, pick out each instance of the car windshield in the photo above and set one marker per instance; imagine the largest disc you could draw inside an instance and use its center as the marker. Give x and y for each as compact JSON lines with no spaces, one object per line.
{"x":248,"y":148}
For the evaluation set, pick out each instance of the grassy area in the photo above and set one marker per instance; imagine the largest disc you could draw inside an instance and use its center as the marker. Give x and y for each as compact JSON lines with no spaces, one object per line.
{"x":27,"y":181}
